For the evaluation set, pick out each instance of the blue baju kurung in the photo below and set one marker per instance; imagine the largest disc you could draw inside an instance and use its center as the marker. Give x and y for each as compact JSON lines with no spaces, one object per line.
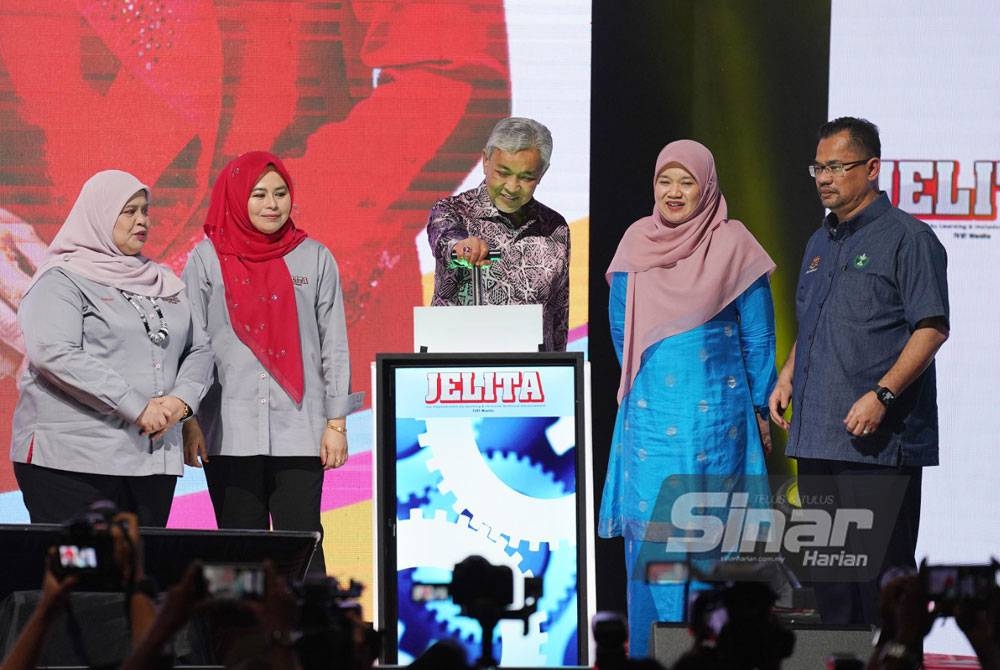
{"x":690,"y":412}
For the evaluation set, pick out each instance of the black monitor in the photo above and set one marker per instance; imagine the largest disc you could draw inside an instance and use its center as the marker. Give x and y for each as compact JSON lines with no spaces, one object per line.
{"x":167,"y":552}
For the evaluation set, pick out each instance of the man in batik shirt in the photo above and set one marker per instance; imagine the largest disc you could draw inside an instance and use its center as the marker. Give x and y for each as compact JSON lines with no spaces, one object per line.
{"x":501,"y":217}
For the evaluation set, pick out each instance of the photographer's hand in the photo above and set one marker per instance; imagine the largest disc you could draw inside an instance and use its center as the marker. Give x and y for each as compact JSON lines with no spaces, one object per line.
{"x":912,"y":620}
{"x":181,"y":601}
{"x":276,"y":615}
{"x":127,"y":543}
{"x":979,"y":625}
{"x":55,"y":593}
{"x":910,"y":623}
{"x":130,"y":560}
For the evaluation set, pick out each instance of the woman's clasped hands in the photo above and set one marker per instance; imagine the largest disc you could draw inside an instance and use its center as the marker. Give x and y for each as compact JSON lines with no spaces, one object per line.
{"x":160,"y":415}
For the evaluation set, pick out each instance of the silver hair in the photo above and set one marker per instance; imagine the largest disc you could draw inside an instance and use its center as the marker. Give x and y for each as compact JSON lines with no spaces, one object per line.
{"x":517,"y":134}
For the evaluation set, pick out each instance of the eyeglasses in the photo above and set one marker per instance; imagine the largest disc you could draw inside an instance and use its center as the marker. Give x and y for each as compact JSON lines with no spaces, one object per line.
{"x":835,"y":169}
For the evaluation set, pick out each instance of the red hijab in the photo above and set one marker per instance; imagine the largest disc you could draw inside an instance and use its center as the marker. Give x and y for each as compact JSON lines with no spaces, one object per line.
{"x":259,"y":292}
{"x":680,"y":276}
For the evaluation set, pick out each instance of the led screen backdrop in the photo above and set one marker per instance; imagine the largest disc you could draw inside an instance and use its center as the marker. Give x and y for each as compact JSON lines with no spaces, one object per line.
{"x":933,"y":93}
{"x":378,"y":109}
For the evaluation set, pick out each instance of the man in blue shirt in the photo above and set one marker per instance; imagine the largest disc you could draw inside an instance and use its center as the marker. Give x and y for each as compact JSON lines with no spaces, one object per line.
{"x":872,"y":311}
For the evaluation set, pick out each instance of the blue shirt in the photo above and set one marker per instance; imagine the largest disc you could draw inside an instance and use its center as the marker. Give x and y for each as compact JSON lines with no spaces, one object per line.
{"x":863,"y":286}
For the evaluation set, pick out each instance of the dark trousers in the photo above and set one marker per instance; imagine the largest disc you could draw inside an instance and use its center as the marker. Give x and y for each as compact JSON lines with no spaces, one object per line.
{"x":55,"y":496}
{"x":261,"y":492}
{"x":840,"y":485}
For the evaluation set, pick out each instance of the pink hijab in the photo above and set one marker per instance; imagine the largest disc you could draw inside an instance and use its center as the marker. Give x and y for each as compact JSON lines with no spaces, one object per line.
{"x":85,"y":247}
{"x":680,"y":276}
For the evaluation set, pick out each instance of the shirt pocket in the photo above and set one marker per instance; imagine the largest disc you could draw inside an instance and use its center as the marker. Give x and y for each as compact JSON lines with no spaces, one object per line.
{"x":860,"y":296}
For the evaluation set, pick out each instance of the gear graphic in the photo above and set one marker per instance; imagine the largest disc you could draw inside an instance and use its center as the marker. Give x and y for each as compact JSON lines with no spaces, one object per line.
{"x":487,"y":498}
{"x":524,"y":475}
{"x":547,"y":441}
{"x":559,"y":601}
{"x":417,"y":488}
{"x":439,"y":543}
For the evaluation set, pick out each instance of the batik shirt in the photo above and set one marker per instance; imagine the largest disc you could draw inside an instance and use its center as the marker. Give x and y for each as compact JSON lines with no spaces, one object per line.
{"x":533,"y":268}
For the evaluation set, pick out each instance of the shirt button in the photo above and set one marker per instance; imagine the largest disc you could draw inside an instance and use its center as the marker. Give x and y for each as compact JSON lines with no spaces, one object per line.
{"x":263,"y":375}
{"x":263,"y":401}
{"x":157,"y":365}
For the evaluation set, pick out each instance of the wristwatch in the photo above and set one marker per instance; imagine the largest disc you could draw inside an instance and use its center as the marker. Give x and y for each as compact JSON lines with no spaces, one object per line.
{"x":885,"y":395}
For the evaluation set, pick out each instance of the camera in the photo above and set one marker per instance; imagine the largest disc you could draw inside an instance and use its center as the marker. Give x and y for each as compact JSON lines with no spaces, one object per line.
{"x":322,"y":599}
{"x":234,"y":581}
{"x":475,"y":581}
{"x":477,"y":585}
{"x":484,"y":592}
{"x":946,"y":586}
{"x":330,"y":624}
{"x":85,"y":549}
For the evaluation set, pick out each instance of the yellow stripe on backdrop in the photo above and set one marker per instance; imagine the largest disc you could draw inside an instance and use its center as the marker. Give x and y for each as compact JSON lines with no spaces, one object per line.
{"x":347,"y":544}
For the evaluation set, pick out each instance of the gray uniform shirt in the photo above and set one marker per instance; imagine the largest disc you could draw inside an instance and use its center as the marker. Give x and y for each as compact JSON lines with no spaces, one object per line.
{"x":247,"y":413}
{"x":91,"y":371}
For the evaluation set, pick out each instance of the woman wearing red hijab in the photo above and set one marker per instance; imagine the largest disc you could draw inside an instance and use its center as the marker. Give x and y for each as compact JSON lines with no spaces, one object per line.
{"x":693,"y":326}
{"x":270,"y":300}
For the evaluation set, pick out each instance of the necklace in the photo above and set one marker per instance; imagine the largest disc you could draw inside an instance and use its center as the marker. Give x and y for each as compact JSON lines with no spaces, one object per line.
{"x":161,"y":335}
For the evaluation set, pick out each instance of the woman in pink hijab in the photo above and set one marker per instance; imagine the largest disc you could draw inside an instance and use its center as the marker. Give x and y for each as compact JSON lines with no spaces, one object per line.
{"x":113,"y":364}
{"x":693,"y":327}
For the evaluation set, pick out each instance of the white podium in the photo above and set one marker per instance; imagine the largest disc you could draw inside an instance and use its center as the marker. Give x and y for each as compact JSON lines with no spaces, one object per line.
{"x":477,"y":328}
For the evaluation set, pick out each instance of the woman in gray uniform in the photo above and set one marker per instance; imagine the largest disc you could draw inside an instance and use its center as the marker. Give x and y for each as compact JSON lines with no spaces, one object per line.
{"x":270,"y":299}
{"x":112,"y":365}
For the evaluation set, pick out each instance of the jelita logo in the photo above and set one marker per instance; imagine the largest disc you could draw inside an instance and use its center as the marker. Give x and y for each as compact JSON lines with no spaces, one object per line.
{"x":928,"y":189}
{"x":490,"y":387}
